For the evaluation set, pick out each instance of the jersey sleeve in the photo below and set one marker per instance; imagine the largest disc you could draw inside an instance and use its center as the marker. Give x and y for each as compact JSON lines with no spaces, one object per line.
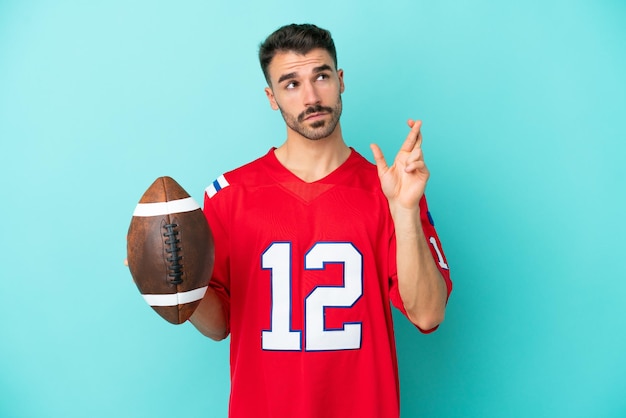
{"x":220,"y":278}
{"x":436,"y":250}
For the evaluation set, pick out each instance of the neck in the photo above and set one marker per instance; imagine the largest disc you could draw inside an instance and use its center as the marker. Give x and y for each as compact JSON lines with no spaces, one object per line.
{"x":312,"y":160}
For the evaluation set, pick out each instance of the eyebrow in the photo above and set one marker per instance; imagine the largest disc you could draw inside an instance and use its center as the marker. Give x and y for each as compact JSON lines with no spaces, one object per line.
{"x":288,"y":76}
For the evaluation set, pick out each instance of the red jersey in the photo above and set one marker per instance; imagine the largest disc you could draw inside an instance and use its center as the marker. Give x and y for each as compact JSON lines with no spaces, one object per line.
{"x":307,"y":272}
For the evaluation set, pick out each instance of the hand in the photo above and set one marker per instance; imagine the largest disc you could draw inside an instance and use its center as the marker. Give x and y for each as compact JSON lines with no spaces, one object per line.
{"x":404,"y":182}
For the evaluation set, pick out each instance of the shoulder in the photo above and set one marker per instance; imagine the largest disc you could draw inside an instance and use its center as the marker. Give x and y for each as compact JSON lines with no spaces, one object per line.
{"x":248,"y":175}
{"x":365,"y":174}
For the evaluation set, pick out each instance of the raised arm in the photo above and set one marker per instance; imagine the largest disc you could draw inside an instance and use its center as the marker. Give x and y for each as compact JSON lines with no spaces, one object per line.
{"x":422,"y":287}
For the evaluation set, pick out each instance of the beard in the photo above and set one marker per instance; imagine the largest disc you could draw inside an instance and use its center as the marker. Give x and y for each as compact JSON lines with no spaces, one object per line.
{"x":319,"y":129}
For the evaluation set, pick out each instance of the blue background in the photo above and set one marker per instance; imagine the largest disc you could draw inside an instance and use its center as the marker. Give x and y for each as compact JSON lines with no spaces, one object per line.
{"x":523,"y":106}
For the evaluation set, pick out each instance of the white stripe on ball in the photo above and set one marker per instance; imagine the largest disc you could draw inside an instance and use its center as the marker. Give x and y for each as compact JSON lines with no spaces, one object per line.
{"x":166,"y":208}
{"x":173,"y":299}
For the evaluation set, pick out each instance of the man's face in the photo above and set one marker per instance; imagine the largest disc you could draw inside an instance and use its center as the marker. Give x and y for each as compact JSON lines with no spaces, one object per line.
{"x":307,"y":91}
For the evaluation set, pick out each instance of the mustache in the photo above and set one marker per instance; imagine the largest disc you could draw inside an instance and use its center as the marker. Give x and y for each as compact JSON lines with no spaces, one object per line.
{"x":314,"y":109}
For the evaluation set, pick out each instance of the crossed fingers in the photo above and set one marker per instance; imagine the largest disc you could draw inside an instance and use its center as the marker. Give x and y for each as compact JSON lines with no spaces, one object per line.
{"x":414,"y":161}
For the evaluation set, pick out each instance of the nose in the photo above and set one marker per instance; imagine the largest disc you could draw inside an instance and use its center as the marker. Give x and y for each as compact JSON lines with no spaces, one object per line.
{"x":311,"y":95}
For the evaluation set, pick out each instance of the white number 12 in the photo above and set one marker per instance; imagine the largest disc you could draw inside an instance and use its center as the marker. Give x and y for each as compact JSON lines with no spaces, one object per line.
{"x":280,"y":336}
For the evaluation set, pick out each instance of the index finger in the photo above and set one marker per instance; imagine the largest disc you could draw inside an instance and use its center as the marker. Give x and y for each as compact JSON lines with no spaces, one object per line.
{"x":414,"y":137}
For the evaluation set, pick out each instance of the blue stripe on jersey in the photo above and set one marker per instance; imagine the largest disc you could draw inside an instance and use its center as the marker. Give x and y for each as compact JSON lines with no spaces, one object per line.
{"x":216,"y":186}
{"x":430,"y":218}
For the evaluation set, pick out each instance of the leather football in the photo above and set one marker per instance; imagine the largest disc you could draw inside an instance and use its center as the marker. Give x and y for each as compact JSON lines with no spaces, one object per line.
{"x":170,"y":250}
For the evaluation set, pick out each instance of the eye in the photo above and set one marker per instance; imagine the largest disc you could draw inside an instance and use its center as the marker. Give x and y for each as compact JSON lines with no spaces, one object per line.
{"x":322,"y":76}
{"x":291,"y":85}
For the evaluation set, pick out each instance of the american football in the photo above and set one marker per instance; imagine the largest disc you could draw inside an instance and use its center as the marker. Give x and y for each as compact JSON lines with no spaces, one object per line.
{"x":170,"y":250}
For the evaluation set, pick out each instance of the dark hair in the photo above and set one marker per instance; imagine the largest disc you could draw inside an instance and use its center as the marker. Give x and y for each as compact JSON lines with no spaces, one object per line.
{"x":296,"y":38}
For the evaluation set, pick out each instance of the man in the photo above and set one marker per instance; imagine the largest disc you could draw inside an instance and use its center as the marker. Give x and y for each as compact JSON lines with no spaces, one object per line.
{"x":313,"y":244}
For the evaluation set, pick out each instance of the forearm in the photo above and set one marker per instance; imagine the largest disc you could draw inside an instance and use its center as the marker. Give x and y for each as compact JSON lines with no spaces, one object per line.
{"x":421,"y":286}
{"x":210,"y":317}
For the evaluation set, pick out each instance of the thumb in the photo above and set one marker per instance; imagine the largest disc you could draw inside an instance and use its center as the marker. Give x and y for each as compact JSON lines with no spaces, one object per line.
{"x":379,"y":158}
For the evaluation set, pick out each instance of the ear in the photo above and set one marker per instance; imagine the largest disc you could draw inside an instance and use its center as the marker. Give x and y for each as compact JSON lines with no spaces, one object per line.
{"x":342,"y":86}
{"x":270,"y":96}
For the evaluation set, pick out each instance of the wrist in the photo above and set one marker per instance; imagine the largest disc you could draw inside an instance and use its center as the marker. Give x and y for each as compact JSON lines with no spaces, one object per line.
{"x":406,"y":221}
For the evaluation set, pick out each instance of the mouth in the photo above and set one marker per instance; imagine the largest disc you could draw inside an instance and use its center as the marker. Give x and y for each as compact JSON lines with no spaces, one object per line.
{"x":315,"y":116}
{"x":314,"y":113}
